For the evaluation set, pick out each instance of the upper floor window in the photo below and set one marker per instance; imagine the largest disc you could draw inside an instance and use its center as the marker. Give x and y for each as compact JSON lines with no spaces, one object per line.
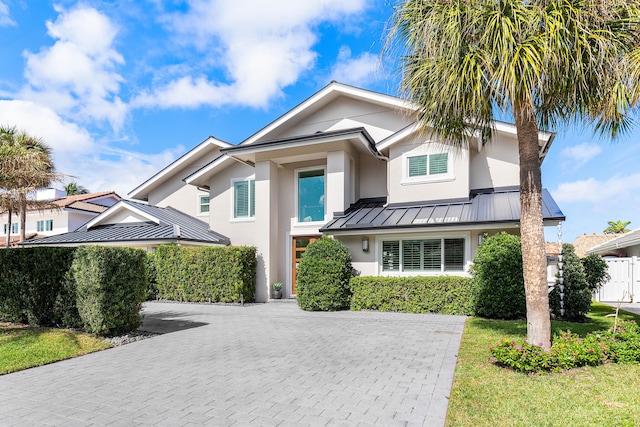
{"x":203,"y":204}
{"x":244,"y":198}
{"x":428,"y":165}
{"x":423,"y":255}
{"x":311,"y":195}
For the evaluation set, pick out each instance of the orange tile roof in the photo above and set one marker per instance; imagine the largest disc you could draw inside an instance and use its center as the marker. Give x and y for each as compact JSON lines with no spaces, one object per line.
{"x":68,"y":200}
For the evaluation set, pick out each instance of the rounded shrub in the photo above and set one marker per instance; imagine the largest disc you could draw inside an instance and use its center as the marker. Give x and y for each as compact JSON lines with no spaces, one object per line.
{"x":497,"y":278}
{"x":577,"y":291}
{"x":323,"y":276}
{"x":595,"y":269}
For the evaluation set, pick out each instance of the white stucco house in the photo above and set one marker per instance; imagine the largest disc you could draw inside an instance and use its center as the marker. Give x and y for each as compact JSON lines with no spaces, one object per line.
{"x":350,"y":163}
{"x":67,"y":213}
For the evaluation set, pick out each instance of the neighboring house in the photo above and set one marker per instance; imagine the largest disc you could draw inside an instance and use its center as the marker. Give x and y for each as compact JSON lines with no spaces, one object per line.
{"x":348,"y":163}
{"x":622,"y":254}
{"x":138,"y":225}
{"x":67,"y":213}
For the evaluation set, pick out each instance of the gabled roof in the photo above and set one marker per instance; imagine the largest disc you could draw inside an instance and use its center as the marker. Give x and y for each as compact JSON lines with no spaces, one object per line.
{"x":211,"y":142}
{"x":162,"y":225}
{"x":624,"y":241}
{"x":501,"y":207}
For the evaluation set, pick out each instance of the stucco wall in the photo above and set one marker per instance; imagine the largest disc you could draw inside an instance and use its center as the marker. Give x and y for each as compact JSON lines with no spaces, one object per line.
{"x":401,"y":190}
{"x":496,"y":164}
{"x":344,"y":113}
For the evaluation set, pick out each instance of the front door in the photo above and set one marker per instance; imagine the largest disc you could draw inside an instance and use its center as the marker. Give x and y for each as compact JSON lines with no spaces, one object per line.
{"x":298,"y":247}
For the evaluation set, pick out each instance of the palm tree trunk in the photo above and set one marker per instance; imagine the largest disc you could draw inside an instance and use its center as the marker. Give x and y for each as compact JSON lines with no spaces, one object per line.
{"x":23,"y":216}
{"x":531,"y":229}
{"x":8,"y":228}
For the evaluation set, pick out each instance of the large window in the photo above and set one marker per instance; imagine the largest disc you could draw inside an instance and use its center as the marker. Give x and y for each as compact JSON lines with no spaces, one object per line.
{"x":423,"y":255}
{"x":427,"y":165}
{"x":244,"y":199}
{"x":311,"y":194}
{"x":203,"y":204}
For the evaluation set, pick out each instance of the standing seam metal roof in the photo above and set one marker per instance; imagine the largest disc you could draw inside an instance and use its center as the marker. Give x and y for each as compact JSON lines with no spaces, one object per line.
{"x":499,"y":207}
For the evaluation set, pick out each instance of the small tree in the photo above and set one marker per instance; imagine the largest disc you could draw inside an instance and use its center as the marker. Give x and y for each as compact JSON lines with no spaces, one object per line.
{"x":497,"y":277}
{"x":595,"y":269}
{"x":577,"y":292}
{"x":323,"y":276}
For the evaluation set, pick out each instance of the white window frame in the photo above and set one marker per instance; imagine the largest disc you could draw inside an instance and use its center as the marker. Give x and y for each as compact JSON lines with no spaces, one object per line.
{"x":466,"y":236}
{"x":296,"y":208}
{"x":233,"y":198}
{"x":200,"y":204}
{"x":40,"y":225}
{"x":48,"y":225}
{"x":427,"y":151}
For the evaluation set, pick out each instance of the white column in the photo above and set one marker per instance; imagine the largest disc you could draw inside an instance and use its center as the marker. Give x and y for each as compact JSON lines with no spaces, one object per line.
{"x":338,"y":182}
{"x":266,"y":239}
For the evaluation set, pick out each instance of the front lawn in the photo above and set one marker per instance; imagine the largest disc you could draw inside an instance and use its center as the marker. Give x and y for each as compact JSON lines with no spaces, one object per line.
{"x":487,"y":395}
{"x":23,"y":347}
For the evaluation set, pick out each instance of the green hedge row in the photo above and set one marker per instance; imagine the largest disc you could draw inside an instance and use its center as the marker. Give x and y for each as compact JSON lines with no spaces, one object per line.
{"x":418,"y":294}
{"x":35,"y":286}
{"x":97,"y":288}
{"x":216,"y":274}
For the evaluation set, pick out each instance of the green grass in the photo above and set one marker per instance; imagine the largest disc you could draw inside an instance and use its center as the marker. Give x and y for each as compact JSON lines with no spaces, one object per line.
{"x":487,"y":395}
{"x":23,"y":347}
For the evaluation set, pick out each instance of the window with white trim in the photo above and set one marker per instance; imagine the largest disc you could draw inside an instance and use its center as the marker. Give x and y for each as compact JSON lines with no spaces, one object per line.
{"x":423,"y":255}
{"x":204,"y":204}
{"x":45,"y":225}
{"x":14,"y":228}
{"x":311,"y":195}
{"x":244,"y":199}
{"x":427,"y":165}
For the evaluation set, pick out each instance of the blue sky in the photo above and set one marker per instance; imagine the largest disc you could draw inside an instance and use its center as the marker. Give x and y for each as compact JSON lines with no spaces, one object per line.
{"x":120,"y":88}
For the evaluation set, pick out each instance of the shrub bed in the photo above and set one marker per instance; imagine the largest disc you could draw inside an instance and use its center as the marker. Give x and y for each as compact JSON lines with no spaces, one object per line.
{"x":441,"y":294}
{"x":619,"y":345}
{"x":36,"y":288}
{"x":323,"y":277}
{"x":216,"y":274}
{"x":111,"y":284}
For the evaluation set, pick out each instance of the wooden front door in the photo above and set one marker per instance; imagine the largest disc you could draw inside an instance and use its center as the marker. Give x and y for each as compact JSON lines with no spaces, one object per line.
{"x":298,"y":247}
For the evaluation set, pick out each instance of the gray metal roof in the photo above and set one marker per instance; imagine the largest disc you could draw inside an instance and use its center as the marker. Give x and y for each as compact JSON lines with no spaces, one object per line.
{"x":173,"y":226}
{"x":485,"y":208}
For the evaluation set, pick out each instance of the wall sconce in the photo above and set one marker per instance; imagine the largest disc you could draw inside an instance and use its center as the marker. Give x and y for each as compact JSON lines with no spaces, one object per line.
{"x":480,"y":239}
{"x":365,"y":244}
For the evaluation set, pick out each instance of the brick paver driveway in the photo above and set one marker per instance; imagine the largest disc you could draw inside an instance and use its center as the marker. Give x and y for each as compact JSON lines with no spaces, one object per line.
{"x":264,"y":364}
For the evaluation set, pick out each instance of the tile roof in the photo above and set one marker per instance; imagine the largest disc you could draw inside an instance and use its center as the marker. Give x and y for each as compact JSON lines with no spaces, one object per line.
{"x":496,"y":207}
{"x":173,"y":226}
{"x":587,"y":241}
{"x":68,"y":200}
{"x":87,"y":206}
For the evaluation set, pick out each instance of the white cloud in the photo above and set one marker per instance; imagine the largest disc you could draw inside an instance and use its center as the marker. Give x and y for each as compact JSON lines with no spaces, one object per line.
{"x":5,"y":16}
{"x":356,"y":71}
{"x":591,"y":190}
{"x":263,"y":47}
{"x":76,"y":75}
{"x":95,"y":164}
{"x":576,"y":156}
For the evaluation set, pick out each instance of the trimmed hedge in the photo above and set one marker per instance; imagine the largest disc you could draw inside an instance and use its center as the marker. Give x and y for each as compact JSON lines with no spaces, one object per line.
{"x":218,"y":274}
{"x":111,"y":284}
{"x":418,"y":294}
{"x":36,"y":287}
{"x":323,"y":278}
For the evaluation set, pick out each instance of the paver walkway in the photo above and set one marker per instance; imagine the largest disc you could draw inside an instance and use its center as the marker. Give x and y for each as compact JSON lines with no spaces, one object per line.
{"x":264,"y":364}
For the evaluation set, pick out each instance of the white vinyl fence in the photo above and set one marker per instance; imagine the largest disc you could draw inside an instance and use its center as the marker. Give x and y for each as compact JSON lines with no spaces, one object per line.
{"x":625,"y":281}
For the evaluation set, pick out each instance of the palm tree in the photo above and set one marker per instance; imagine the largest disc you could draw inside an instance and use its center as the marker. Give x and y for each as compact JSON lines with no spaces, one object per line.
{"x":25,"y":166}
{"x":544,"y":62}
{"x":72,"y":189}
{"x":617,"y":227}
